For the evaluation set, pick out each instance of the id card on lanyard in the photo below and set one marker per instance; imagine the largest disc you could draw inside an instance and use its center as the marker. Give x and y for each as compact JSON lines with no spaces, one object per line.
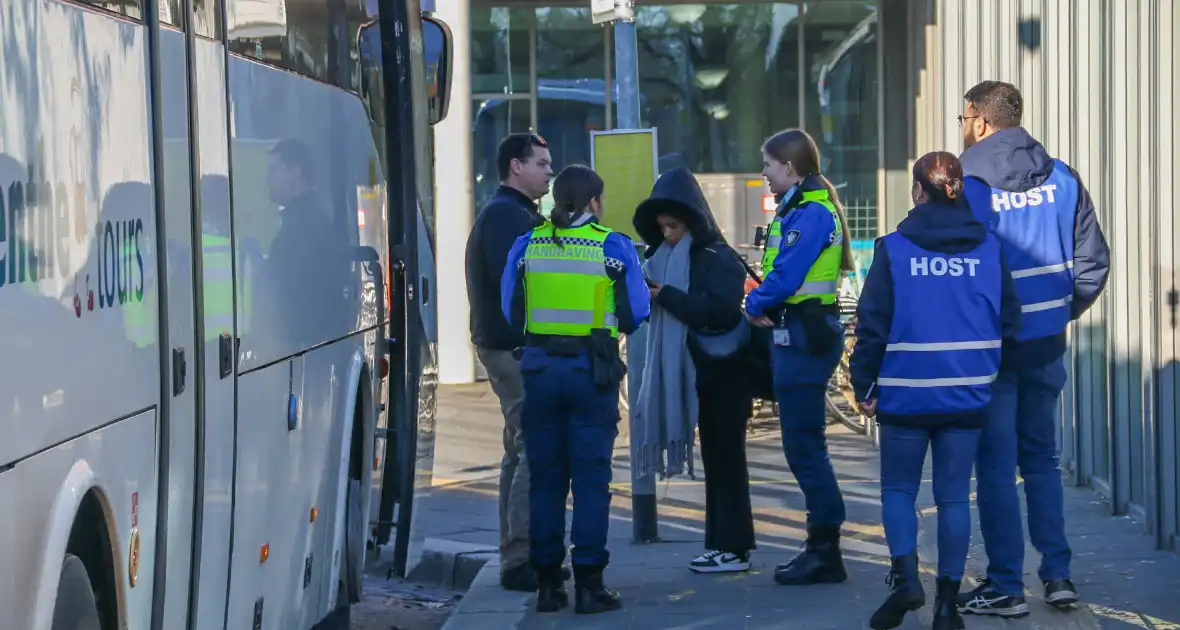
{"x":782,"y":336}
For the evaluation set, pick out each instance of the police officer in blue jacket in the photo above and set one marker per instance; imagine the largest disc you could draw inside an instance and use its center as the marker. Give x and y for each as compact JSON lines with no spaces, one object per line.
{"x":1045,"y":219}
{"x":807,"y":251}
{"x":936,"y":307}
{"x":572,"y":285}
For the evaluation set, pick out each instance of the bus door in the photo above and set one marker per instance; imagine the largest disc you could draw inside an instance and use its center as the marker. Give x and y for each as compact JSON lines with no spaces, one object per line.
{"x":402,"y":105}
{"x":197,"y":460}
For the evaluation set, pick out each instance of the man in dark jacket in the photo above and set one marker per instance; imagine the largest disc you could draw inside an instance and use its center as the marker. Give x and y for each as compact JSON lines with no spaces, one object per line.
{"x":711,"y":305}
{"x":525,"y":169}
{"x":1059,"y":260}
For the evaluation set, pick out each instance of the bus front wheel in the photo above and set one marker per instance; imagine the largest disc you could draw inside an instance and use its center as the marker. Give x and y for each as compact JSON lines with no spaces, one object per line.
{"x":76,"y":608}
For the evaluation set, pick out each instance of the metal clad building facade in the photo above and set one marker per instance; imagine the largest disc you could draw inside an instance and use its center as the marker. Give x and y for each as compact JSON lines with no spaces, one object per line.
{"x":1099,"y":81}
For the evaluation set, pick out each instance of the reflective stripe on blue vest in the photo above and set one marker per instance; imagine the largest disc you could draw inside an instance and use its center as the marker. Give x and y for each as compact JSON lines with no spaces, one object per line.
{"x":1036,"y":230}
{"x":944,"y":345}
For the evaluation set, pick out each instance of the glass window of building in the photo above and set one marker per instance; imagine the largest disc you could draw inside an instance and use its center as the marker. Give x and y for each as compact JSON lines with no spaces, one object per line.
{"x":715,"y":80}
{"x":500,"y":50}
{"x":494,"y":119}
{"x":571,"y":82}
{"x":840,"y":107}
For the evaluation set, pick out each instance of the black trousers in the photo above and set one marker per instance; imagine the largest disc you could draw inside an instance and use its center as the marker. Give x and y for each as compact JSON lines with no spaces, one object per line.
{"x":724,"y":413}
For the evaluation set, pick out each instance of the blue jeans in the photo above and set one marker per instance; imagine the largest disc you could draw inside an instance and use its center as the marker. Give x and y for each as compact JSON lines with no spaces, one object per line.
{"x":903,"y":453}
{"x":800,"y":385}
{"x":1021,"y":431}
{"x":569,"y":434}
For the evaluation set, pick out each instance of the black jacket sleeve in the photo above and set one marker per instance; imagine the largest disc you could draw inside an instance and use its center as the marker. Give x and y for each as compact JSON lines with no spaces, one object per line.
{"x":501,"y":228}
{"x":518,"y":312}
{"x":1009,"y":304}
{"x":1091,"y":255}
{"x":874,"y":320}
{"x":715,"y":292}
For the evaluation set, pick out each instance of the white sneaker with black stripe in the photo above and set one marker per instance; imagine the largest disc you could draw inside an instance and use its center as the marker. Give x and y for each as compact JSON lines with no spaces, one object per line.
{"x":720,"y":562}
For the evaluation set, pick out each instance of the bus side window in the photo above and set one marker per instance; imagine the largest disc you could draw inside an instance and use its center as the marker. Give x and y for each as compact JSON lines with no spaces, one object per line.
{"x":207,"y":18}
{"x":170,"y":13}
{"x":129,"y":8}
{"x":292,"y":35}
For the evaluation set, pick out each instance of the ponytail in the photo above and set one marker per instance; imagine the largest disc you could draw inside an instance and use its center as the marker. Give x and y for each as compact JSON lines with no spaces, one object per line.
{"x":847,"y":263}
{"x":561,"y":218}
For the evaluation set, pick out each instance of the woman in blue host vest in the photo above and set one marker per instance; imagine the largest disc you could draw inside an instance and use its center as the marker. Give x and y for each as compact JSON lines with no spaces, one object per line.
{"x":573,"y":286}
{"x":807,"y":250}
{"x":936,"y":308}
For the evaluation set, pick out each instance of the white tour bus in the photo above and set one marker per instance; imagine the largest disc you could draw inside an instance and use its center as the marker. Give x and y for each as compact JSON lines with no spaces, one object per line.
{"x":217,"y":327}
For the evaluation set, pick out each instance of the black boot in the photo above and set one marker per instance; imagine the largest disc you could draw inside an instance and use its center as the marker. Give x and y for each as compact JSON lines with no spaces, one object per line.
{"x":551,"y":595}
{"x":590,"y":596}
{"x":820,"y":563}
{"x":906,"y":593}
{"x":946,"y":612}
{"x":520,"y":578}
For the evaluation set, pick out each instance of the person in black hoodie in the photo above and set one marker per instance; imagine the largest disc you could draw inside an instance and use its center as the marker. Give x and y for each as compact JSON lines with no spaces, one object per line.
{"x":1041,"y":212}
{"x":525,"y":169}
{"x":936,"y":308}
{"x":710,"y":307}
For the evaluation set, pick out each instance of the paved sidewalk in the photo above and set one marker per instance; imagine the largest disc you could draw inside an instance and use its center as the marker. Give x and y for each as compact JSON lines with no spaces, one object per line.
{"x":1124,"y":583}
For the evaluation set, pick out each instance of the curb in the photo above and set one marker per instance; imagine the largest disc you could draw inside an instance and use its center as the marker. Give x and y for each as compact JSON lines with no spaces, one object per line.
{"x":486,"y":606}
{"x":452,"y":565}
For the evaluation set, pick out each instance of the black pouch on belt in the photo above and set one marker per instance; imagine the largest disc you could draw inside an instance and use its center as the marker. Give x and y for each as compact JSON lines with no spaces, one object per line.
{"x":817,"y":326}
{"x":608,"y":367}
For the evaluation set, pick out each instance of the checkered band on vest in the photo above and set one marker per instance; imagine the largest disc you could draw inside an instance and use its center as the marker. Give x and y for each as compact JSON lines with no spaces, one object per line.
{"x":565,"y":240}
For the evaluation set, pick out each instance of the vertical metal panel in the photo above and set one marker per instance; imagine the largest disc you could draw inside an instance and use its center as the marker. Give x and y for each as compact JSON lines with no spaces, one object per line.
{"x":986,"y":16}
{"x":973,"y":45}
{"x":952,"y":88}
{"x":1090,"y":48}
{"x":1055,"y":52}
{"x":1031,"y":48}
{"x":1007,"y":55}
{"x":1121,"y":264}
{"x":1146,"y":494}
{"x":1167,"y":442}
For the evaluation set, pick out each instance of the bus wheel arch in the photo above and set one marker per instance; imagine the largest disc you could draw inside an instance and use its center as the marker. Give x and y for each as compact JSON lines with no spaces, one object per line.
{"x":360,"y":453}
{"x":88,"y":590}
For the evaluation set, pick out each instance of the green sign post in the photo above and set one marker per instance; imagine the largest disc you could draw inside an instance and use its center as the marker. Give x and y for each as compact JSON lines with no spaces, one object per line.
{"x":626,"y":160}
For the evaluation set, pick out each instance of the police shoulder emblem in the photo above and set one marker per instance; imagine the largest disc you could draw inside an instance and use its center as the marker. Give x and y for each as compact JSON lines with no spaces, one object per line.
{"x":791,"y":237}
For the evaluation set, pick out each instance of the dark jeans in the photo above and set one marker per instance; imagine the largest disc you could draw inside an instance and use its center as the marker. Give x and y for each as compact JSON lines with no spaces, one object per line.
{"x":1021,"y":432}
{"x":800,"y":385}
{"x":729,"y":521}
{"x":903,"y":453}
{"x":569,"y":433}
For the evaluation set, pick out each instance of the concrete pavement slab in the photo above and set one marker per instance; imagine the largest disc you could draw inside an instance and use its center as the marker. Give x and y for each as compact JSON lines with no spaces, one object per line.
{"x":1123,"y":581}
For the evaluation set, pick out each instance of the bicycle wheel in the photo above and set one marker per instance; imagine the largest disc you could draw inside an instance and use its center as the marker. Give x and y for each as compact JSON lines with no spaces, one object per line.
{"x":841,"y":399}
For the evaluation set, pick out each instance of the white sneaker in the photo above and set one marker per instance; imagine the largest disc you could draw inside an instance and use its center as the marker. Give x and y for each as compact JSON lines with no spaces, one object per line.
{"x":720,"y":562}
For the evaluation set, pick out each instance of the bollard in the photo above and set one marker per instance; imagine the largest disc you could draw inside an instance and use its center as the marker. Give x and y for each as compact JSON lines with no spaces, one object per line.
{"x":643,"y":489}
{"x":645,"y":519}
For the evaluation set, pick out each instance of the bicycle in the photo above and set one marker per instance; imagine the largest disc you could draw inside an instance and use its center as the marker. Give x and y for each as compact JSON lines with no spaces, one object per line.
{"x":841,"y":399}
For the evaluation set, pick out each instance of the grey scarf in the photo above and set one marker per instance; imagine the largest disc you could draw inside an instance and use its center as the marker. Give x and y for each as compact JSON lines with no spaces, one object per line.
{"x":666,"y":410}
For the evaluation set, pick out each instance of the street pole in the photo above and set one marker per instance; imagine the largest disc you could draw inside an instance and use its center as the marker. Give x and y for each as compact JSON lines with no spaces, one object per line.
{"x":645,"y":521}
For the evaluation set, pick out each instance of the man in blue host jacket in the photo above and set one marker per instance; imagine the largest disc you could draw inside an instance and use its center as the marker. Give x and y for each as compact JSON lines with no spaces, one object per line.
{"x":1059,"y":260}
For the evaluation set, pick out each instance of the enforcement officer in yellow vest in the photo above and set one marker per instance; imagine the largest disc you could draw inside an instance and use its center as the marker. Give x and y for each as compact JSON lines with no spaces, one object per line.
{"x":573,"y":286}
{"x":807,"y":249}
